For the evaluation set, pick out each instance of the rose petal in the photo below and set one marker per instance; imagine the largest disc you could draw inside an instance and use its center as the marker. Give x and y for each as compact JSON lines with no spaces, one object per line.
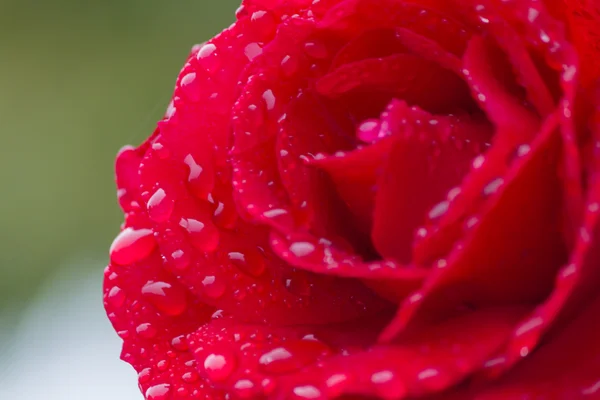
{"x":511,"y":254}
{"x":430,"y":158}
{"x":432,"y":360}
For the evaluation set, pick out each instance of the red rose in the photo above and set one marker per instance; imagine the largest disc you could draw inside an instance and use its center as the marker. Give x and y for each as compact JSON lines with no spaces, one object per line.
{"x":380,"y":198}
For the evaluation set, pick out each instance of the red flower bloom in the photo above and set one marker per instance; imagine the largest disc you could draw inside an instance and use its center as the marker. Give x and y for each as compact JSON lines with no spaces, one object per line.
{"x":379,"y":198}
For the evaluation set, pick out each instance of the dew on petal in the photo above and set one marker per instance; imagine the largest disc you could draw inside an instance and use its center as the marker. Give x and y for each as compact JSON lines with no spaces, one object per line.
{"x":160,"y":207}
{"x":302,"y":249}
{"x":116,"y":297}
{"x":158,"y":392}
{"x":219,"y":367}
{"x":203,"y":235}
{"x":131,"y":246}
{"x":250,"y":261}
{"x":146,"y":331}
{"x":213,"y":287}
{"x":166,"y":298}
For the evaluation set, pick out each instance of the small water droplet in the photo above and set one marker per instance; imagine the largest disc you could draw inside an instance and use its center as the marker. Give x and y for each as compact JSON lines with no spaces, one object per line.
{"x":289,"y":66}
{"x":213,"y":287}
{"x":161,"y":151}
{"x":179,"y":343}
{"x":219,"y":367}
{"x":307,"y":392}
{"x":316,"y":50}
{"x":190,"y":87}
{"x":131,"y":246}
{"x":180,"y":260}
{"x":368,"y":131}
{"x":245,"y":389}
{"x":249,"y":261}
{"x":207,"y":55}
{"x":158,"y":392}
{"x":190,"y":377}
{"x":162,"y":365}
{"x":201,"y":181}
{"x":116,"y":297}
{"x":302,"y":249}
{"x":165,"y":298}
{"x":252,"y":50}
{"x":493,"y":186}
{"x":439,"y":210}
{"x":203,"y":235}
{"x":145,"y":375}
{"x":160,"y":207}
{"x":146,"y":331}
{"x":291,"y":357}
{"x":269,"y":99}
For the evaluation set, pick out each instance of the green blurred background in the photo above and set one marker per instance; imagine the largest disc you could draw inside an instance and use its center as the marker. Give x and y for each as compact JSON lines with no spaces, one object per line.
{"x":78,"y":80}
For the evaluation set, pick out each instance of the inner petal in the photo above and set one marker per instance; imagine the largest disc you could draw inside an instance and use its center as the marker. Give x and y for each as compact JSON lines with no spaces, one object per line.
{"x":430,"y":158}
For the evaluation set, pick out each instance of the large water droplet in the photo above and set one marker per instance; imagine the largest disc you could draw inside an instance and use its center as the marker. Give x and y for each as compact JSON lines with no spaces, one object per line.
{"x":307,"y":392}
{"x":145,"y":375}
{"x":131,"y":246}
{"x":208,"y":58}
{"x":293,"y":356}
{"x":146,"y":331}
{"x":302,"y":249}
{"x":115,"y":297}
{"x":158,"y":392}
{"x":245,"y":389}
{"x":160,"y":207}
{"x":203,"y":235}
{"x":219,"y":367}
{"x":201,"y":179}
{"x":165,"y":297}
{"x":249,"y":261}
{"x":213,"y":287}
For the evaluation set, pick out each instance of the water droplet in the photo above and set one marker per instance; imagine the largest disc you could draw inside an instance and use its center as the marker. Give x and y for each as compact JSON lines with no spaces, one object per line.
{"x":316,"y":50}
{"x":165,"y":298}
{"x":190,"y":87}
{"x":201,"y":181}
{"x":179,"y":343}
{"x":190,"y":377}
{"x":162,"y":365}
{"x":161,"y":151}
{"x":145,"y":375}
{"x":204,"y":236}
{"x":439,"y":210}
{"x":493,"y":186}
{"x":368,"y":131}
{"x":289,"y":66}
{"x":158,"y":392}
{"x":213,"y":287}
{"x":160,"y":207}
{"x":388,"y":384}
{"x":263,"y":23}
{"x":180,"y":260}
{"x":478,"y":161}
{"x":302,"y":249}
{"x":116,"y":297}
{"x":269,"y":99}
{"x":252,"y":51}
{"x":249,"y":261}
{"x":219,"y":367}
{"x":208,"y":57}
{"x":295,"y":355}
{"x":245,"y":389}
{"x":146,"y":331}
{"x":307,"y":392}
{"x":131,"y":246}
